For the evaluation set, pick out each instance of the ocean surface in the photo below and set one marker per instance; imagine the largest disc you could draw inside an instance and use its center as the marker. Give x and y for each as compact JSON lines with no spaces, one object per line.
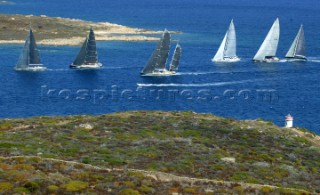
{"x":243,"y":90}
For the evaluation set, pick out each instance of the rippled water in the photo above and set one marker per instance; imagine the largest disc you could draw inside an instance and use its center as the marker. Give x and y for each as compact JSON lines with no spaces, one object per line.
{"x":243,"y":90}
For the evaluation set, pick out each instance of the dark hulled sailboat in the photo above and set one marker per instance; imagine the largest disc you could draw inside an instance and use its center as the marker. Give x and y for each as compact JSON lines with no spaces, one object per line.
{"x":175,"y":58}
{"x":87,"y":58}
{"x":156,"y":65}
{"x":297,"y":50}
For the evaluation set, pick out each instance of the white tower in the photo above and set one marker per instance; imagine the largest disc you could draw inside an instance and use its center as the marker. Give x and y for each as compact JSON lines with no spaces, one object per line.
{"x":289,"y":121}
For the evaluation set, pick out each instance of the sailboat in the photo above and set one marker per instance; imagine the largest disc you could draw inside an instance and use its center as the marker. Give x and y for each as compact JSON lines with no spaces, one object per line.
{"x":156,"y":65}
{"x":175,"y":59}
{"x":268,"y":49}
{"x":87,"y":58}
{"x":227,"y":49}
{"x":29,"y":59}
{"x":297,"y":50}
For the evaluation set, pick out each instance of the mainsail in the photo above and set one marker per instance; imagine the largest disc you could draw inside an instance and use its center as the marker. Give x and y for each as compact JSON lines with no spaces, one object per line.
{"x":270,"y":44}
{"x":30,"y":54}
{"x":298,"y":46}
{"x":228,"y":45}
{"x":88,"y":53}
{"x":159,"y":56}
{"x":176,"y":58}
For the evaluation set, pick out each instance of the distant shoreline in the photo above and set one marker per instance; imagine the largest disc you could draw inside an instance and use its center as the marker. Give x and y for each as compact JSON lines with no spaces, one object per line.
{"x":66,"y":31}
{"x":79,"y":40}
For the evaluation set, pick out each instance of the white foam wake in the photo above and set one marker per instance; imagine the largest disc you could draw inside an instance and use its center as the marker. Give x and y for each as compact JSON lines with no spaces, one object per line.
{"x":282,"y":61}
{"x":313,"y":59}
{"x":111,"y":67}
{"x":196,"y":85}
{"x":59,"y":69}
{"x":198,"y":73}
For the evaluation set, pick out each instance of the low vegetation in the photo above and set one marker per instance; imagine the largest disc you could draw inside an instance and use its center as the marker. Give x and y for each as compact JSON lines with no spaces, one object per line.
{"x":156,"y":152}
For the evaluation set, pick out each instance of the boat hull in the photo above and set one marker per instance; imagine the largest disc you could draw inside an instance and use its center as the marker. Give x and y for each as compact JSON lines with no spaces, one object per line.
{"x":32,"y":67}
{"x":268,"y":59}
{"x":159,"y":73}
{"x":296,"y":58}
{"x":226,"y":60}
{"x":86,"y":66}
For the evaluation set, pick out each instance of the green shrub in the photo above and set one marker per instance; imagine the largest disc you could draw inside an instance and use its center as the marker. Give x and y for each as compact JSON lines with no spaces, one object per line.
{"x":82,"y":175}
{"x":10,"y":145}
{"x":136,"y":174}
{"x":191,"y":133}
{"x":115,"y":162}
{"x":78,"y":166}
{"x":252,"y":180}
{"x":224,"y":130}
{"x":75,"y":186}
{"x":265,"y":157}
{"x":266,"y":189}
{"x":129,"y":184}
{"x":52,"y":188}
{"x":109,"y":178}
{"x":218,"y":167}
{"x":86,"y":160}
{"x":238,"y":188}
{"x":239,"y":176}
{"x":25,"y":167}
{"x":32,"y":186}
{"x":285,"y":191}
{"x":129,"y":192}
{"x":146,"y":189}
{"x":302,"y":140}
{"x":190,"y":190}
{"x":104,"y":151}
{"x":280,"y":173}
{"x":21,"y":190}
{"x":153,"y":166}
{"x":5,"y":186}
{"x":5,"y":126}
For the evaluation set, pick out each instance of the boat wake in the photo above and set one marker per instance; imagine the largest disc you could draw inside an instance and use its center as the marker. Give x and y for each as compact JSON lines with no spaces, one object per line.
{"x":217,"y":72}
{"x":198,"y":85}
{"x":113,"y":67}
{"x":60,"y":69}
{"x":196,"y":73}
{"x":282,"y":61}
{"x":314,"y":59}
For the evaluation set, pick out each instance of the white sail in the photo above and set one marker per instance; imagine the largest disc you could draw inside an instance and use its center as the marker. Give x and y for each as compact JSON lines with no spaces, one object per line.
{"x":220,"y":53}
{"x":270,"y":45}
{"x":228,"y":46}
{"x":297,"y":47}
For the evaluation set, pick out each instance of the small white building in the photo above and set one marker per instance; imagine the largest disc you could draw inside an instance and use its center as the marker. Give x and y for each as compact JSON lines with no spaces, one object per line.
{"x":289,"y":121}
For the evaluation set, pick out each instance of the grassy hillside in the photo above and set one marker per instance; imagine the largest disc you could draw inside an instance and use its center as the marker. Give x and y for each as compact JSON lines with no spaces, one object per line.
{"x":242,"y":154}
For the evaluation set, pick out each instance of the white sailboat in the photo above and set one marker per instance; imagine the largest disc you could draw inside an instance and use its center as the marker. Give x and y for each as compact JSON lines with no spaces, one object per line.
{"x":297,"y":50}
{"x":228,"y":47}
{"x":268,"y":49}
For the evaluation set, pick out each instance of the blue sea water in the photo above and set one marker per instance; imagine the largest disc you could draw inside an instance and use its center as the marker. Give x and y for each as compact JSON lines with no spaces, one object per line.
{"x":243,"y":90}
